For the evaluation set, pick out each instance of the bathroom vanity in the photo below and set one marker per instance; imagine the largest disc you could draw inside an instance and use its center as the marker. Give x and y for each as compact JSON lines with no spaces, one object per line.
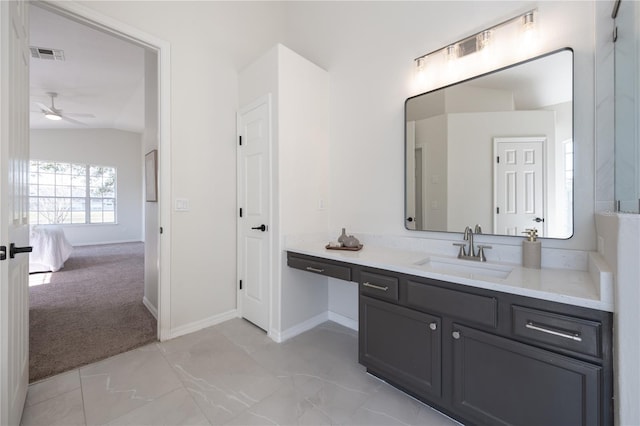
{"x":483,"y":343}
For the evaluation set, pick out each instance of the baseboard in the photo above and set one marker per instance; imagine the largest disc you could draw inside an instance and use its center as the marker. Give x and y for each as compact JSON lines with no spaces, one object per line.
{"x":152,"y":309}
{"x":281,"y":336}
{"x":103,"y":243}
{"x":343,"y":321}
{"x":199,"y":325}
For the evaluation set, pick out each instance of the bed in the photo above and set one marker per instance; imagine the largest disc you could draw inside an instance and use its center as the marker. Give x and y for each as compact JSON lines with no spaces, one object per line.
{"x":50,"y":248}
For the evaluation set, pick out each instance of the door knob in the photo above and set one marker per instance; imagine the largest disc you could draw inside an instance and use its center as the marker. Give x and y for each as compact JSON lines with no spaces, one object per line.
{"x":538,"y":219}
{"x":3,"y":252}
{"x":13,"y":250}
{"x":409,"y":219}
{"x":262,"y":227}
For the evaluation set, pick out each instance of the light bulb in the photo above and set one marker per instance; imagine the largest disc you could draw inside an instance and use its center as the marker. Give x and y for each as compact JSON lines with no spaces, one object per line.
{"x":451,"y":52}
{"x":484,"y":39}
{"x":52,"y":116}
{"x":528,"y":32}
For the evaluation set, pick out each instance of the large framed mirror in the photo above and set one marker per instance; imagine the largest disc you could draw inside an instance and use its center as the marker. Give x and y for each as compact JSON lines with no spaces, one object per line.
{"x":494,"y":151}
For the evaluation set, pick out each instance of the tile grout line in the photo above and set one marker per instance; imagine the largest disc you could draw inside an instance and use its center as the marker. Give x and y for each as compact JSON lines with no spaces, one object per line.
{"x":51,"y":397}
{"x":84,"y":411}
{"x":182,"y":383}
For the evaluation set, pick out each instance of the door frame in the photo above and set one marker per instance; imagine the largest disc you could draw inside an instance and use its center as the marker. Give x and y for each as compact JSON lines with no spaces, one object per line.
{"x":92,"y":18}
{"x":266,"y":99}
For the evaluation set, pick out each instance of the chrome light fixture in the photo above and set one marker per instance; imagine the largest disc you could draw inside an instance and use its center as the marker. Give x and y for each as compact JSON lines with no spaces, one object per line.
{"x":524,"y":23}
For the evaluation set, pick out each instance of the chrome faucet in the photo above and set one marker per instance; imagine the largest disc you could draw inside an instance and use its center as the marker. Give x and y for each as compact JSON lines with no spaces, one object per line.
{"x":468,"y":236}
{"x":470,"y":252}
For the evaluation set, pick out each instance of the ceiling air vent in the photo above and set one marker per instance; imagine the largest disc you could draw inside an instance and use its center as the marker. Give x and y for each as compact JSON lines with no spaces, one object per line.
{"x":47,"y":53}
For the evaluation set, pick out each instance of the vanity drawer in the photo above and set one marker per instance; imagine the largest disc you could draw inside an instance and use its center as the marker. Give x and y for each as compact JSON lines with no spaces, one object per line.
{"x":562,"y":331}
{"x":473,"y":307}
{"x":378,"y":285}
{"x":320,"y":267}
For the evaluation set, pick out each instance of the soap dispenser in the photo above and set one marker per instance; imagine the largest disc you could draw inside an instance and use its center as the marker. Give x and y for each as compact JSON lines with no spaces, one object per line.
{"x":531,"y":249}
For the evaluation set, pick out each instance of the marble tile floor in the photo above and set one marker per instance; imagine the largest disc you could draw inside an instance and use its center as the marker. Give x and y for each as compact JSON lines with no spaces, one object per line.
{"x":229,"y":374}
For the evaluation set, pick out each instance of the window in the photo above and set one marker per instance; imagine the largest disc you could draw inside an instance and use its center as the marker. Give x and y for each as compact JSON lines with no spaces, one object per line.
{"x":65,"y":193}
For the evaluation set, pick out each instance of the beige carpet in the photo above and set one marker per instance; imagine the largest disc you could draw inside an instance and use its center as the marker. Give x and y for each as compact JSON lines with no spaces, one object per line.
{"x":88,"y":311}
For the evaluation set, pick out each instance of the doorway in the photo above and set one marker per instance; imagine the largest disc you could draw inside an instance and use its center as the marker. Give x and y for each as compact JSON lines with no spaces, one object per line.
{"x":150,"y":133}
{"x":254,"y":205}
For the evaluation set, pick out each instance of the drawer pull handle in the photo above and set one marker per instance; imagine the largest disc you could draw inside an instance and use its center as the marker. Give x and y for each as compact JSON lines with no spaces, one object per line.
{"x":456,"y":334}
{"x":312,"y":269}
{"x":531,"y":326}
{"x":433,"y":326}
{"x":377,"y":287}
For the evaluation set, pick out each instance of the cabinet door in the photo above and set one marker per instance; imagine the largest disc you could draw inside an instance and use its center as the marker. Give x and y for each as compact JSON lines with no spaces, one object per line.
{"x":499,"y":381}
{"x":402,"y":345}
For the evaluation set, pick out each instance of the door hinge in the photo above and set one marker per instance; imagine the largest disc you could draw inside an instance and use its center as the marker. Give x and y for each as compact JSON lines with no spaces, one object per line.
{"x":240,"y":211}
{"x":161,"y":230}
{"x":615,"y":34}
{"x":497,"y":210}
{"x":240,"y":284}
{"x":3,"y":252}
{"x":498,"y":159}
{"x":240,"y":140}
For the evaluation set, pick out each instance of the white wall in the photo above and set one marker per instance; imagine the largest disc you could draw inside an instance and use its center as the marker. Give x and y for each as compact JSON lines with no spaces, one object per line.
{"x":303,"y":172}
{"x":564,"y":132}
{"x":105,"y":147}
{"x":300,"y":96}
{"x":210,"y":42}
{"x":478,"y":99}
{"x":368,"y":49}
{"x":619,"y":243}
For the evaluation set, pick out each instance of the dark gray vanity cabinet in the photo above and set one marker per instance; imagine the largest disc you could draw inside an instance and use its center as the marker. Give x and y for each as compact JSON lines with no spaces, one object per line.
{"x":504,"y":359}
{"x":481,"y":356}
{"x":402,"y":344}
{"x":328,"y":268}
{"x":500,"y":381}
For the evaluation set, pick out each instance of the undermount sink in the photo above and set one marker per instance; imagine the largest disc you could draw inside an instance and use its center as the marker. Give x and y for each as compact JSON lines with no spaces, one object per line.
{"x":464,"y":267}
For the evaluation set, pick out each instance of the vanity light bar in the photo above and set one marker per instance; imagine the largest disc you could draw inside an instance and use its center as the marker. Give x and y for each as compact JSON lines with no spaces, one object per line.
{"x":479,"y":40}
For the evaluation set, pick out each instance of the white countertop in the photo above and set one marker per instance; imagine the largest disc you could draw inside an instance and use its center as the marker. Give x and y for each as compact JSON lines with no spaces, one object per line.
{"x":591,"y":289}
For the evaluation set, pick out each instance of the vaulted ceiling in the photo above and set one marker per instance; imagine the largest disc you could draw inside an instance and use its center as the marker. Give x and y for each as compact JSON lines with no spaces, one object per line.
{"x":100,"y":75}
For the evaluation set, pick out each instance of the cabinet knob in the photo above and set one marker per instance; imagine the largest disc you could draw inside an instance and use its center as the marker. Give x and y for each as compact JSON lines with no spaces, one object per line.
{"x":433,"y":326}
{"x":456,"y":335}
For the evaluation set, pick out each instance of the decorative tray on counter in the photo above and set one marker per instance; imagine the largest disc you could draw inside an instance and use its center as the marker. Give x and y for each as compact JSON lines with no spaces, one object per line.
{"x":359,"y":247}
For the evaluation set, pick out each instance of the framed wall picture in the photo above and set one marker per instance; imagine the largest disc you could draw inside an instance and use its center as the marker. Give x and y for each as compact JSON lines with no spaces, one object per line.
{"x":151,"y":175}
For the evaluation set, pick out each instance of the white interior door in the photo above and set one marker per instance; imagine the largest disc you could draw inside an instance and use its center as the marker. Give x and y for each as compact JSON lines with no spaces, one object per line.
{"x":14,"y":155}
{"x":519,"y":185}
{"x":254,"y":200}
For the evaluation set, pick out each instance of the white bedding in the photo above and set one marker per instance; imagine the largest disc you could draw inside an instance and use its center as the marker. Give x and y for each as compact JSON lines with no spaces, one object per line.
{"x":50,"y":248}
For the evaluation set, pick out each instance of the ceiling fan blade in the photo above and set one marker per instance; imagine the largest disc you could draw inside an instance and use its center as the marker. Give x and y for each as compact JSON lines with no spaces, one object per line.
{"x":45,"y":108}
{"x":71,"y":120}
{"x":79,"y":114}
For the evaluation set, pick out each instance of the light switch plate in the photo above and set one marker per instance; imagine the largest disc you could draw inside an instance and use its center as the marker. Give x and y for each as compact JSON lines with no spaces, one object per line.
{"x":182,"y":205}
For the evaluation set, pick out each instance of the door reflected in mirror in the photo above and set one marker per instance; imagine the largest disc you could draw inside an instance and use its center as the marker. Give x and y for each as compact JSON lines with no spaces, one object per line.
{"x":495,"y":150}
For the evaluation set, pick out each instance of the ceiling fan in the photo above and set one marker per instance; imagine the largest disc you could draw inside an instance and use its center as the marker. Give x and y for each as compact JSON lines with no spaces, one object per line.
{"x":53,"y":113}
